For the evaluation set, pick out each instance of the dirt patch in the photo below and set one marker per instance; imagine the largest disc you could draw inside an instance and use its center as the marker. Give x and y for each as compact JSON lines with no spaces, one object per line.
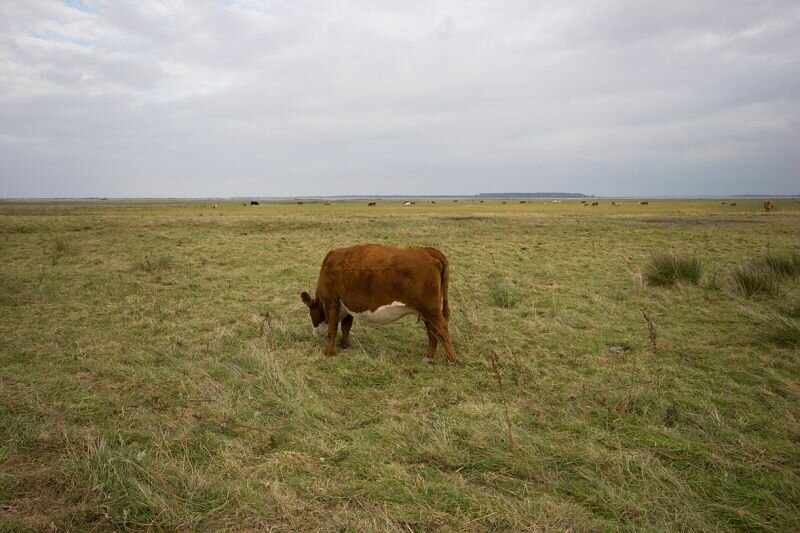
{"x":699,"y":221}
{"x":464,"y":218}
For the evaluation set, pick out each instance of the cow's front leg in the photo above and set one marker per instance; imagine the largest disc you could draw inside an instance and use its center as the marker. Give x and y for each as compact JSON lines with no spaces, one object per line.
{"x":347,"y":323}
{"x":332,"y":314}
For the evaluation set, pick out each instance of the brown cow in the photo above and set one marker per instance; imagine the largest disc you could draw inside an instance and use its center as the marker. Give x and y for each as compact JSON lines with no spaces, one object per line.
{"x":253,"y":202}
{"x":299,"y":203}
{"x":595,"y":203}
{"x":768,"y":206}
{"x":371,"y":204}
{"x":644,"y":203}
{"x":616,"y":204}
{"x":380,"y":284}
{"x":733,"y":203}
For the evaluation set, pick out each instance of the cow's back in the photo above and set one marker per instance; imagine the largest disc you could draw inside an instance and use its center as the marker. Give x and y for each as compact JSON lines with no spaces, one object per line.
{"x":369,"y":275}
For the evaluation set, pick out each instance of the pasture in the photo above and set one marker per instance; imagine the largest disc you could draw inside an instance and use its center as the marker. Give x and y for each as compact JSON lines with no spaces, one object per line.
{"x":157,"y":371}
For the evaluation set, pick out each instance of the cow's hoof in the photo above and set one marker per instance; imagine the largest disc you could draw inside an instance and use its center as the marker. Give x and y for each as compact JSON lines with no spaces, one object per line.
{"x":427,"y":360}
{"x":344,"y":345}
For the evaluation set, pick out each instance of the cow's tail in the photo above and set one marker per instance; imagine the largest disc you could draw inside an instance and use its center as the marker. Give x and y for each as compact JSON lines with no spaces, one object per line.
{"x":445,"y":280}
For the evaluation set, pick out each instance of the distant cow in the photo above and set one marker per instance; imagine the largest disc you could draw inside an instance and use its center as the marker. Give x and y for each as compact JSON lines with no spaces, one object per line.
{"x":733,"y":204}
{"x":407,"y":203}
{"x":617,"y":204}
{"x":644,"y":203}
{"x":595,"y":203}
{"x":768,"y":206}
{"x":371,"y":204}
{"x":327,"y":203}
{"x":299,"y":203}
{"x":379,"y":284}
{"x":522,"y":201}
{"x":481,"y":201}
{"x":253,"y":202}
{"x":433,"y":202}
{"x":214,"y":206}
{"x":724,"y":203}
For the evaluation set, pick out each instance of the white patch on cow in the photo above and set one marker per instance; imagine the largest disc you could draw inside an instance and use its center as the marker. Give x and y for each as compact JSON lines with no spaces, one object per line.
{"x":321,"y":330}
{"x":384,"y":314}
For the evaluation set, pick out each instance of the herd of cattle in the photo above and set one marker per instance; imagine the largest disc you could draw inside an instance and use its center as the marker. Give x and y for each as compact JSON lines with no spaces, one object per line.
{"x":768,"y":205}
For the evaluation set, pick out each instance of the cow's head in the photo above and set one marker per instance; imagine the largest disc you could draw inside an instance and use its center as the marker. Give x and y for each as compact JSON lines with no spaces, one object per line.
{"x":318,"y":325}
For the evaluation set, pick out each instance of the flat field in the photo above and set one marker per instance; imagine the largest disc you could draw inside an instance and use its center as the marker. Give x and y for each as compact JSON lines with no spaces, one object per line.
{"x":157,"y":371}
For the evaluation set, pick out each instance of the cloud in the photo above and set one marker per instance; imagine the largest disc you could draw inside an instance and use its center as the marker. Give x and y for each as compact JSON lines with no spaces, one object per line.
{"x":180,"y":98}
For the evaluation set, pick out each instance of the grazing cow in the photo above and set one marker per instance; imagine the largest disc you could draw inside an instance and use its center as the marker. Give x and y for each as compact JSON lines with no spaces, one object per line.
{"x":733,"y":204}
{"x":644,"y":203}
{"x":433,"y":202}
{"x":768,"y":206}
{"x":371,"y":204}
{"x":253,"y":202}
{"x":380,"y":284}
{"x":455,"y":200}
{"x":522,"y":201}
{"x":299,"y":203}
{"x":617,"y":204}
{"x":505,"y":202}
{"x":724,"y":203}
{"x":481,"y":201}
{"x":327,"y":203}
{"x":595,"y":203}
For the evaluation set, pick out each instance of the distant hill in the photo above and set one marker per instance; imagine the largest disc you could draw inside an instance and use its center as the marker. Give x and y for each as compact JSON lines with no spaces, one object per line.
{"x":531,"y":195}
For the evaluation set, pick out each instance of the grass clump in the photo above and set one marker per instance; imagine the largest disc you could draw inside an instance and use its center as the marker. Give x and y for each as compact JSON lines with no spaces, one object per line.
{"x":60,"y":247}
{"x":499,"y":293}
{"x":756,"y":279}
{"x":786,"y":266}
{"x":668,"y":269}
{"x":784,"y":331}
{"x":154,"y":264}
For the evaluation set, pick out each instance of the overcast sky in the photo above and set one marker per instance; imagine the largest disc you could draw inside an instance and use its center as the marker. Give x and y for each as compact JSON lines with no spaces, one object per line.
{"x":300,"y":97}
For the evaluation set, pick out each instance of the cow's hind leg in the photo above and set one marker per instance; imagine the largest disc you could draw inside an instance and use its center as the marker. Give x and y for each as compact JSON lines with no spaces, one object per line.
{"x":347,"y":323}
{"x":443,"y":335}
{"x":432,"y":342}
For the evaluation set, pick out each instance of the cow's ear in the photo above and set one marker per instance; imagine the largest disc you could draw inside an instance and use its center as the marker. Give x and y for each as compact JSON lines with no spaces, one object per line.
{"x":306,"y":298}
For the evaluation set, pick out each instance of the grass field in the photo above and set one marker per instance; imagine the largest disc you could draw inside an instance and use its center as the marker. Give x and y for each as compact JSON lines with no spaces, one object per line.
{"x":157,"y":371}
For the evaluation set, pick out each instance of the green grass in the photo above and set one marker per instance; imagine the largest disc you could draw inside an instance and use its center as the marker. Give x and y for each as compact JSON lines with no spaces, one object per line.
{"x":500,"y":295}
{"x":669,"y":269}
{"x":138,"y":393}
{"x":757,"y":278}
{"x":784,"y":265}
{"x":153,"y":264}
